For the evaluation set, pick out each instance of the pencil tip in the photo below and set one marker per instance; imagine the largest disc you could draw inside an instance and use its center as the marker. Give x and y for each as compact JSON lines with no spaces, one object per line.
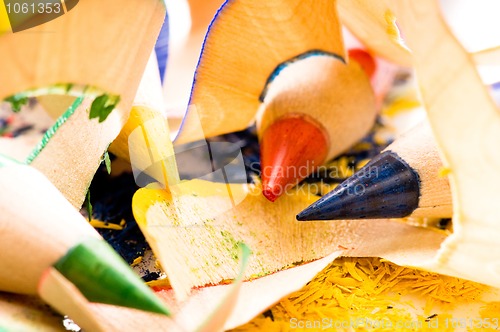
{"x":387,"y":187}
{"x":269,"y":194}
{"x":364,"y":59}
{"x":103,"y":277}
{"x":302,"y":216}
{"x":291,"y":148}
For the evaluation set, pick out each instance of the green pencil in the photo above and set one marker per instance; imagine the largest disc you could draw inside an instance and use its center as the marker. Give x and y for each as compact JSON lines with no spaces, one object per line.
{"x":40,"y":231}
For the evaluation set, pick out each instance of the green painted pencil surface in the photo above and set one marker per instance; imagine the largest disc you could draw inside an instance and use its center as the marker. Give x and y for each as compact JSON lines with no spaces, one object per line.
{"x":40,"y":230}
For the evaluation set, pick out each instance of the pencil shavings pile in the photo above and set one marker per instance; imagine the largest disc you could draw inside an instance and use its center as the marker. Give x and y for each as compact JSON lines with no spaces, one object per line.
{"x":364,"y":290}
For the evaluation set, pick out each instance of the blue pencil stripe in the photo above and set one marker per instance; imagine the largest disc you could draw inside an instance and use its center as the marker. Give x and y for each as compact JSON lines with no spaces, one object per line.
{"x":161,"y":48}
{"x":286,"y":63}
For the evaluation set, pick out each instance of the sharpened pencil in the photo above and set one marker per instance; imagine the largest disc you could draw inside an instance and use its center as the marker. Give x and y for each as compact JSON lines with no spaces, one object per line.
{"x":402,"y":181}
{"x":315,"y":108}
{"x":43,"y":232}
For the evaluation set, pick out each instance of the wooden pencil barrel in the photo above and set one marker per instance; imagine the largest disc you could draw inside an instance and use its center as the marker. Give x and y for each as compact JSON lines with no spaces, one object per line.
{"x":37,"y":227}
{"x":334,"y":95}
{"x":418,"y":148}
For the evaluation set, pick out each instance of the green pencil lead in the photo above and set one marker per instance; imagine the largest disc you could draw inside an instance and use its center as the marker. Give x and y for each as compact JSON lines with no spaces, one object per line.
{"x":102,"y":276}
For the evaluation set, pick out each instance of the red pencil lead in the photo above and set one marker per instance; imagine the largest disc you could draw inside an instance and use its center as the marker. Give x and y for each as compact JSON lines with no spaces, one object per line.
{"x":290,"y":149}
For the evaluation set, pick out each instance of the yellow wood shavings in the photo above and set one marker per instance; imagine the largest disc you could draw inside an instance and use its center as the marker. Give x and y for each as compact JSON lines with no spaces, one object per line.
{"x":363,"y":162}
{"x":401,"y":105}
{"x":391,"y":28}
{"x":136,"y":261}
{"x":491,"y":310}
{"x":102,"y":224}
{"x":369,"y":294}
{"x":159,"y":283}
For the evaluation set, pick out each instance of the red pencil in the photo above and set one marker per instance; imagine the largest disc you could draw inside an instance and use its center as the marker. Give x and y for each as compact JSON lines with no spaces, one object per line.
{"x":316,"y":108}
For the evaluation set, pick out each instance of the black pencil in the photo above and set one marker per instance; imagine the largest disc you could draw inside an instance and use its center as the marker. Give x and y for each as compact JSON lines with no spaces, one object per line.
{"x":402,"y":181}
